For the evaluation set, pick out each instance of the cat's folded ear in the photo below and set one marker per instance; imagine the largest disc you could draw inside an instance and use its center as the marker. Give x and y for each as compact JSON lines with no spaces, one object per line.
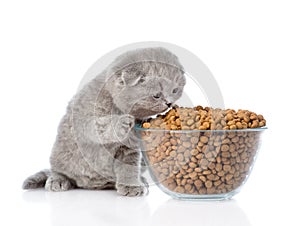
{"x":131,"y":79}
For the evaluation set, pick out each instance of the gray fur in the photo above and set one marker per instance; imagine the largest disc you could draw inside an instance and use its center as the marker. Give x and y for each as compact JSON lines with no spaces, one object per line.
{"x":96,"y":147}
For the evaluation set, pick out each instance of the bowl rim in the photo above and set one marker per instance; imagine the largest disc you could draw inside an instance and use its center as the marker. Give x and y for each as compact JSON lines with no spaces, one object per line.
{"x":139,"y":127}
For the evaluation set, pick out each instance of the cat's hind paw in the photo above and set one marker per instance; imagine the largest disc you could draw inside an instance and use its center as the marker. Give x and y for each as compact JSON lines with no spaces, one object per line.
{"x":58,"y":183}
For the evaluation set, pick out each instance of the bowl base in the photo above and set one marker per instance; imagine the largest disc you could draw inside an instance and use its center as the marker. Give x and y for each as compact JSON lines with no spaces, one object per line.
{"x":209,"y":197}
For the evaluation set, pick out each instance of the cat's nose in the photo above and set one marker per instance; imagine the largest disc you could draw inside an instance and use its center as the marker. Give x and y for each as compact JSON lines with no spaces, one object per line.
{"x":169,"y":104}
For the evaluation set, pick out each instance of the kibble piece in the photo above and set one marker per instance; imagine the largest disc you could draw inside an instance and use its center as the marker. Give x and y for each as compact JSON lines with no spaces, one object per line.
{"x":204,"y":139}
{"x":180,"y":157}
{"x":194,"y":152}
{"x":192,"y":165}
{"x":219,"y":167}
{"x":198,"y":184}
{"x":193,"y":175}
{"x":179,"y":189}
{"x":210,"y":177}
{"x":186,"y":144}
{"x":206,"y":125}
{"x":203,"y":162}
{"x":146,"y":125}
{"x":224,"y":147}
{"x":226,"y":168}
{"x":229,"y":177}
{"x":206,"y":172}
{"x":190,"y":122}
{"x":194,"y":140}
{"x":173,"y":153}
{"x":208,"y":184}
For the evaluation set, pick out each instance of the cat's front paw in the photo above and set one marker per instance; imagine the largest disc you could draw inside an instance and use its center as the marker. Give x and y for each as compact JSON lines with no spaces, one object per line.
{"x":124,"y":126}
{"x":132,"y":190}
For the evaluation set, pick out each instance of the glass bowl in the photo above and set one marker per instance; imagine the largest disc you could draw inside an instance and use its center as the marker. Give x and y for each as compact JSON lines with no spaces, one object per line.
{"x":200,"y":164}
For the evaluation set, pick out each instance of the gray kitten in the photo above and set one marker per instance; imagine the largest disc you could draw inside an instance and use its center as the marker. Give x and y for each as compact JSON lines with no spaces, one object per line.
{"x":96,"y":147}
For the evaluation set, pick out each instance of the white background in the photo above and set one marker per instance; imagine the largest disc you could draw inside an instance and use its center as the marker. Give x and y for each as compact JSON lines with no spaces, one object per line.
{"x":252,"y":49}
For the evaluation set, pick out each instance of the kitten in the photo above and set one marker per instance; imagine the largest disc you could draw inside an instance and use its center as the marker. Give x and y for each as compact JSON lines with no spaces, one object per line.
{"x":95,"y":147}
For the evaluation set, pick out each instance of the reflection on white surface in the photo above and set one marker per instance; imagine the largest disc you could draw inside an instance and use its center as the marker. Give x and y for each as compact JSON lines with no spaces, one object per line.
{"x":82,"y":207}
{"x":208,"y":213}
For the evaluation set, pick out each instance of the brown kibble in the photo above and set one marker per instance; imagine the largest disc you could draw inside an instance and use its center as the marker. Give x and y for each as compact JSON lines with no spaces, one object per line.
{"x":230,"y":123}
{"x":219,"y":167}
{"x":210,"y":177}
{"x":188,"y":187}
{"x":235,"y":139}
{"x":186,"y":144}
{"x":167,"y":144}
{"x":246,"y":119}
{"x":180,"y":157}
{"x":208,"y":184}
{"x":221,"y":173}
{"x":173,"y":141}
{"x":254,"y":124}
{"x":217,"y":183}
{"x":261,"y":124}
{"x":232,"y":127}
{"x":146,"y":125}
{"x":192,"y":165}
{"x":194,"y":152}
{"x":225,"y":154}
{"x":206,"y":172}
{"x":260,"y":117}
{"x":229,"y":177}
{"x":193,"y":175}
{"x":190,"y":122}
{"x":202,"y":128}
{"x":186,"y":154}
{"x":202,"y":178}
{"x":229,"y":117}
{"x":198,"y":183}
{"x":198,"y":170}
{"x":177,"y":122}
{"x":226,"y":168}
{"x":224,"y":147}
{"x":173,"y":153}
{"x":199,"y":156}
{"x":183,"y":182}
{"x":179,"y":189}
{"x":203,"y":162}
{"x":173,"y":127}
{"x":194,"y":140}
{"x":204,"y":139}
{"x":206,"y":125}
{"x":239,"y":125}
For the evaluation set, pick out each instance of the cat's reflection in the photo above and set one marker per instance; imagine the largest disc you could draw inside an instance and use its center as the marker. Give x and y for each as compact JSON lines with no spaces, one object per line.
{"x":178,"y":213}
{"x":82,"y":207}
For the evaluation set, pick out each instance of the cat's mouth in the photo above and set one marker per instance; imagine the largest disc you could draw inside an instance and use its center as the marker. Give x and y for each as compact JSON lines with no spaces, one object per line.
{"x":146,"y":112}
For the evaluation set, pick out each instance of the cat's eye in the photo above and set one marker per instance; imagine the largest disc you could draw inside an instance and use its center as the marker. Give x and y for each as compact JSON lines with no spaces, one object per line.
{"x":157,"y":96}
{"x":175,"y":90}
{"x":142,"y":78}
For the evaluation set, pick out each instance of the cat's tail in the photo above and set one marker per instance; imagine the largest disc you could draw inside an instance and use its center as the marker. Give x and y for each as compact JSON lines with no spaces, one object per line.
{"x":37,"y":180}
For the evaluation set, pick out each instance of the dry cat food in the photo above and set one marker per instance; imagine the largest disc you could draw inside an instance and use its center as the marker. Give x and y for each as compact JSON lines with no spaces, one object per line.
{"x":206,"y":119}
{"x":214,"y":161}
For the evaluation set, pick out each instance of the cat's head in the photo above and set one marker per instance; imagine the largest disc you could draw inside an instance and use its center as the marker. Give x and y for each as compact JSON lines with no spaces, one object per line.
{"x":146,"y":81}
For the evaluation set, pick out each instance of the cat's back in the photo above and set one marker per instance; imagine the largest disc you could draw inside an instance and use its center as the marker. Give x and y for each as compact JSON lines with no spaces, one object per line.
{"x":87,"y":99}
